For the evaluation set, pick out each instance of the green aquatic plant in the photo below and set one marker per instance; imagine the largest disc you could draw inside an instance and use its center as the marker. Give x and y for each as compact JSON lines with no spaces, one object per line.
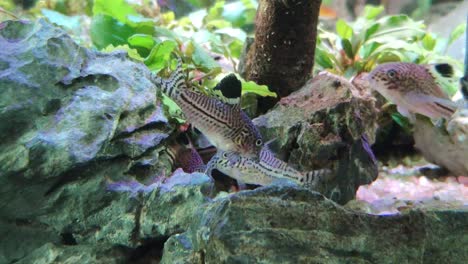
{"x":360,"y":45}
{"x":198,"y":38}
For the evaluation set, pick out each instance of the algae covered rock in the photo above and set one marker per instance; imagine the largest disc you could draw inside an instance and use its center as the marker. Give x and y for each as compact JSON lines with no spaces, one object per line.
{"x":329,"y":123}
{"x":64,"y":105}
{"x":79,"y":128}
{"x":72,"y":120}
{"x":50,"y":253}
{"x":289,"y":225}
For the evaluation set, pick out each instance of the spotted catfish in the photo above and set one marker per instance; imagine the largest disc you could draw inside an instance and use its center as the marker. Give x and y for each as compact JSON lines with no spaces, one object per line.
{"x":222,"y":121}
{"x":414,"y":88}
{"x":184,"y":155}
{"x":267,"y":170}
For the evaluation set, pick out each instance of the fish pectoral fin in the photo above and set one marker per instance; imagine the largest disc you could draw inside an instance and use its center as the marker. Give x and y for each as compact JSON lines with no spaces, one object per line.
{"x":229,"y":90}
{"x":210,"y":166}
{"x":431,"y":106}
{"x":440,"y":106}
{"x":406,"y":113}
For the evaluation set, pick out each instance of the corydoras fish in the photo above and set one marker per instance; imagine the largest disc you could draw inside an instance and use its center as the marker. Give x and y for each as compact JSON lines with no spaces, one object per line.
{"x":220,"y":119}
{"x":414,"y":88}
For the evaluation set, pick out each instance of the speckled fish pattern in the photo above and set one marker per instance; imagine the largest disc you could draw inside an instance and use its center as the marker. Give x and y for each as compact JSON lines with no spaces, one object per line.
{"x":413,"y":88}
{"x":226,"y":126}
{"x":267,"y":170}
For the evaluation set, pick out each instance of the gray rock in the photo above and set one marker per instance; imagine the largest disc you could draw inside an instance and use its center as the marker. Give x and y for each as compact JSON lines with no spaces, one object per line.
{"x":64,"y":105}
{"x":76,"y":123}
{"x":71,"y":121}
{"x":329,"y":123}
{"x":50,"y":253}
{"x":178,"y":249}
{"x":289,"y":225}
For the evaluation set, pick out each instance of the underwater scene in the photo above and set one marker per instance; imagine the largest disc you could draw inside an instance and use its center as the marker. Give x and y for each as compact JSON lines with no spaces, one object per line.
{"x":233,"y":131}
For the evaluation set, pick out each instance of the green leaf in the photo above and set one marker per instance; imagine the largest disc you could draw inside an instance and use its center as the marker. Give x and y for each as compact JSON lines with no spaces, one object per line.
{"x":165,"y":32}
{"x":456,"y":33}
{"x":132,"y":53}
{"x":71,"y":23}
{"x":160,"y":54}
{"x":233,"y":32}
{"x":240,"y":13}
{"x":217,"y":23}
{"x":118,"y":9}
{"x":428,"y":42}
{"x":367,"y":49}
{"x":172,"y":109}
{"x":348,"y":48}
{"x":252,"y":87}
{"x":202,"y":59}
{"x":168,"y":16}
{"x":235,"y":48}
{"x":215,"y":11}
{"x":350,"y":72}
{"x":142,"y":41}
{"x":106,"y":30}
{"x":395,"y":20}
{"x":197,"y":3}
{"x":371,"y":12}
{"x":197,"y":17}
{"x":401,"y":121}
{"x":371,"y":31}
{"x":322,"y":58}
{"x":390,"y":56}
{"x":141,"y":24}
{"x":401,"y":45}
{"x":343,"y":29}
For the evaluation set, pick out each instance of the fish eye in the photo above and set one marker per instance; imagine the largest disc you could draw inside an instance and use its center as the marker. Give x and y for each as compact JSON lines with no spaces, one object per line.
{"x":225,"y":155}
{"x":391,"y":74}
{"x":258,"y":142}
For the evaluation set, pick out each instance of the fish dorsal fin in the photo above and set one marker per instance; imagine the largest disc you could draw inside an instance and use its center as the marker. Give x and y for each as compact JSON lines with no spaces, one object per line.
{"x":443,"y":74}
{"x":229,"y":90}
{"x":267,"y":146}
{"x":442,"y":70}
{"x":269,"y":143}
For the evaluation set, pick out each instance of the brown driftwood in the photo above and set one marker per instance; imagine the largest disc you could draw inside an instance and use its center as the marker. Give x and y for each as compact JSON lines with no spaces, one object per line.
{"x":282,"y":55}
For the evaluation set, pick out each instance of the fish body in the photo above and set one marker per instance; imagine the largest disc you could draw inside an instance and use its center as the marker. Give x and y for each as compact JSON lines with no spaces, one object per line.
{"x":414,"y":88}
{"x":265,"y":171}
{"x":224,"y":124}
{"x":186,"y":158}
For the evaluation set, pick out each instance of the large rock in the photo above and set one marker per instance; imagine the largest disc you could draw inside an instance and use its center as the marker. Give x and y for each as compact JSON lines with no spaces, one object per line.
{"x":289,"y":225}
{"x":329,"y":123}
{"x":71,"y":120}
{"x":51,"y":253}
{"x":75,"y":124}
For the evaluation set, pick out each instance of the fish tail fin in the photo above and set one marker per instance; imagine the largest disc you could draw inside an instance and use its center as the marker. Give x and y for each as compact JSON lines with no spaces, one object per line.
{"x":174,"y":83}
